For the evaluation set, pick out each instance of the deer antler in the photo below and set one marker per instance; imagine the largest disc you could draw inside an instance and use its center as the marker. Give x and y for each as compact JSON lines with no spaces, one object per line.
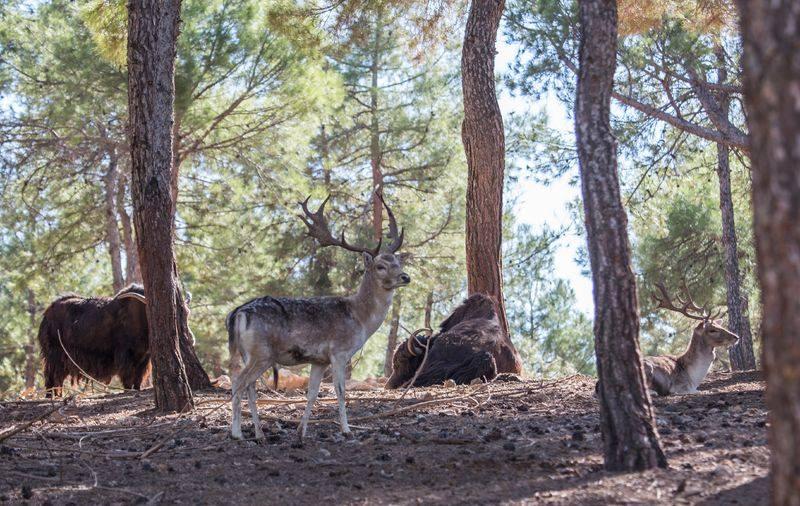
{"x":397,"y":239}
{"x":319,"y":229}
{"x":685,"y":307}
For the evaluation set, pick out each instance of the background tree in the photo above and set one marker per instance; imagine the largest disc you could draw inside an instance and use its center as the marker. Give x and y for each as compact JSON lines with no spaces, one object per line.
{"x":626,"y":416}
{"x":771,"y":34}
{"x":484,"y":144}
{"x":680,"y":85}
{"x":152,"y":39}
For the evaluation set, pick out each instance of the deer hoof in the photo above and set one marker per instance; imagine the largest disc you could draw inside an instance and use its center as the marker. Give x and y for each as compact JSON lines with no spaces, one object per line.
{"x":236,"y":434}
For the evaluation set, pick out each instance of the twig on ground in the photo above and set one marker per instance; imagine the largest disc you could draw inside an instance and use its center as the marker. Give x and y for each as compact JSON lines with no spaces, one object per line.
{"x":421,"y":365}
{"x":28,"y":424}
{"x":177,"y":431}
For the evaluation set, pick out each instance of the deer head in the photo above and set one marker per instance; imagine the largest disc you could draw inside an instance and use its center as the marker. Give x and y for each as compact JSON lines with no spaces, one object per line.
{"x":709,"y":329}
{"x":385,"y":268}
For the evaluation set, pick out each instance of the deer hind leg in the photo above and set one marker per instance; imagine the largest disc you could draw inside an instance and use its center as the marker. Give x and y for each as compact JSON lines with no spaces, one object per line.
{"x":246,"y":378}
{"x":315,"y":378}
{"x":252,"y":399}
{"x":339,"y":372}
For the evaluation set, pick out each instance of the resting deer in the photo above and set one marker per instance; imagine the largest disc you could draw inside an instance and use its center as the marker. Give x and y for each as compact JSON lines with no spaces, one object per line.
{"x":667,"y":374}
{"x":320,"y":331}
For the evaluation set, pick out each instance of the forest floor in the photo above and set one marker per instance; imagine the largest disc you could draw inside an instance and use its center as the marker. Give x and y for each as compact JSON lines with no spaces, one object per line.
{"x":526,"y":442}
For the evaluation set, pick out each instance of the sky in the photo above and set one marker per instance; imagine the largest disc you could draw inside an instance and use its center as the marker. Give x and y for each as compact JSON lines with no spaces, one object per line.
{"x":538,"y":204}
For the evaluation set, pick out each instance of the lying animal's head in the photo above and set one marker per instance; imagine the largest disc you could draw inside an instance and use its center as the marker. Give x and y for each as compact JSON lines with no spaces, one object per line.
{"x":407,"y":359}
{"x":714,"y":334}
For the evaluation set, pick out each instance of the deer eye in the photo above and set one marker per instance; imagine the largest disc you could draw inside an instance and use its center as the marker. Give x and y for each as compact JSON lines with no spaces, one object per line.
{"x":381,"y":267}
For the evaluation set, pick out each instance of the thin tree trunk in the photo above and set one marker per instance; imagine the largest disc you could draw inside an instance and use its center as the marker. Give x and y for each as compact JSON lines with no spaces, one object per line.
{"x":322,"y":258}
{"x":771,"y":37}
{"x":133,"y":274}
{"x":484,"y":144}
{"x":742,"y":356}
{"x":31,"y":358}
{"x":152,"y":36}
{"x":374,"y":135}
{"x":111,"y":180}
{"x":394,"y":326}
{"x":626,"y":416}
{"x":428,"y":310}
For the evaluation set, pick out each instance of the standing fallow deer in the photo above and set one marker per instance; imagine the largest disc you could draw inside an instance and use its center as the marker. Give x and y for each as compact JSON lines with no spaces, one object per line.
{"x":668,"y":374}
{"x":320,"y":331}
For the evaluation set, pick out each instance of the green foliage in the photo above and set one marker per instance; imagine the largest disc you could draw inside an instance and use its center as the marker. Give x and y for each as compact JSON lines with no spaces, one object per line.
{"x":553,"y":337}
{"x":107,"y":21}
{"x":270,"y":108}
{"x":677,"y":241}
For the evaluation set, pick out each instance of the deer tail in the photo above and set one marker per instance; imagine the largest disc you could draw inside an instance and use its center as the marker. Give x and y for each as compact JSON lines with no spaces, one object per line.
{"x":236,"y":323}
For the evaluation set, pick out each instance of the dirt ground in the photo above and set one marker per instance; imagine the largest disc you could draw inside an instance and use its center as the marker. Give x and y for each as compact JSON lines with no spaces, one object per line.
{"x":531,"y":442}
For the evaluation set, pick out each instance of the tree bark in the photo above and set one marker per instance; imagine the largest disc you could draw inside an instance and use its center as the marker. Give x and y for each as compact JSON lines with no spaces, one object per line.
{"x":111,"y":180}
{"x":484,"y":144}
{"x":394,"y":327}
{"x":152,"y":36}
{"x":742,"y":356}
{"x":626,"y":416}
{"x":771,"y":35}
{"x":31,"y":358}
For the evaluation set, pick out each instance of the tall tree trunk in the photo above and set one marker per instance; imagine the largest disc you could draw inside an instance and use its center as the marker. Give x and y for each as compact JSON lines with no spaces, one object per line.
{"x":394,"y":327}
{"x":133,"y":273}
{"x":152,"y":36}
{"x":374,"y":134}
{"x":484,"y":144}
{"x":742,"y":355}
{"x":31,"y":357}
{"x":626,"y":416}
{"x":771,"y":36}
{"x":428,"y":310}
{"x":322,"y":258}
{"x":111,"y":180}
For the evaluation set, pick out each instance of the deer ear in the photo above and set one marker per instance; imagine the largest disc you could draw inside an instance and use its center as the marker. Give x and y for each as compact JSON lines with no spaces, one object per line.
{"x":367,"y":259}
{"x":403,"y":257}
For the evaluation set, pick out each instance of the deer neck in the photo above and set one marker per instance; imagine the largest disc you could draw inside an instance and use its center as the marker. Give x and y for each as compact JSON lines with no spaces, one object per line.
{"x":371,"y":303}
{"x":697,"y":358}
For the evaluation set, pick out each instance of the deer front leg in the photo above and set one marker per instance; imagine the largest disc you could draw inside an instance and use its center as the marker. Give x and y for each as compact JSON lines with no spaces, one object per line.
{"x":339,"y":372}
{"x":315,"y":378}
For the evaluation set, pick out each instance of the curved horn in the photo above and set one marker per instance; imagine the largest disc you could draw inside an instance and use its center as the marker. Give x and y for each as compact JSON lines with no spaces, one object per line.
{"x":133,"y":295}
{"x":410,"y":347}
{"x":418,"y":342}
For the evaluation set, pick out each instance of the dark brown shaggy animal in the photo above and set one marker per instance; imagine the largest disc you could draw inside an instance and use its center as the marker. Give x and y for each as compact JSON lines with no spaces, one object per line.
{"x":469,"y":345}
{"x":105,"y":336}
